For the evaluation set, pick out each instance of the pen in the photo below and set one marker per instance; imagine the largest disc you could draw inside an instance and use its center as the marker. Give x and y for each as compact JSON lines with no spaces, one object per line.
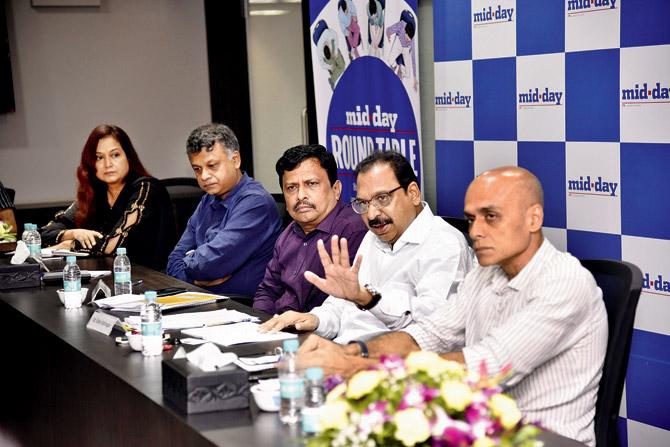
{"x":137,"y":283}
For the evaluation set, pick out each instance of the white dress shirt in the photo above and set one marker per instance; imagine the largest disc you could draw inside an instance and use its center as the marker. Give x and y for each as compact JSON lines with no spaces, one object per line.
{"x":423,"y":268}
{"x":548,"y":322}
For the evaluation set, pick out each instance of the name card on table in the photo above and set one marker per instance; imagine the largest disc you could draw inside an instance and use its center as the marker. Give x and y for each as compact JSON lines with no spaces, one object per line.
{"x":102,"y":322}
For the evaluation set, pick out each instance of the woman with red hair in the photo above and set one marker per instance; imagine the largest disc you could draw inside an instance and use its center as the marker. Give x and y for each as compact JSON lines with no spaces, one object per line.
{"x":118,"y":204}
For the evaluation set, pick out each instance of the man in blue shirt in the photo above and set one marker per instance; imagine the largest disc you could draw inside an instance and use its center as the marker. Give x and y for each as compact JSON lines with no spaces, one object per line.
{"x":228,"y":241}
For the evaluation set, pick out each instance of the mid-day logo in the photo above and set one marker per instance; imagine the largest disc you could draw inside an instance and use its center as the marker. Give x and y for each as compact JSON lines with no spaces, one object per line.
{"x":596,"y":186}
{"x":538,"y":97}
{"x":655,"y":285}
{"x":492,"y":15}
{"x":584,"y":6}
{"x":453,"y":100}
{"x":645,"y":93}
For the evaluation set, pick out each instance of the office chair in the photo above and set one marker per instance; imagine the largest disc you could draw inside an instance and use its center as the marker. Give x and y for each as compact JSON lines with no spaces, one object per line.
{"x":461,"y":225}
{"x":281,"y":208}
{"x":185,"y":195}
{"x":621,"y":283}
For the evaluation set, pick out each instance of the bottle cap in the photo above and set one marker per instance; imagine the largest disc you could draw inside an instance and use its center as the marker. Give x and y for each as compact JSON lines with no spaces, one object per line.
{"x":150,"y":295}
{"x":71,"y":259}
{"x":121,"y":251}
{"x":291,"y":345}
{"x":27,"y":226}
{"x":314,"y":373}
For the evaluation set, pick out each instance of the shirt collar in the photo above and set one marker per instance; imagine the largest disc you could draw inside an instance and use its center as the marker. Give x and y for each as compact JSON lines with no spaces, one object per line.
{"x":416,"y":233}
{"x":233,"y":192}
{"x":326,"y":225}
{"x":527,"y":274}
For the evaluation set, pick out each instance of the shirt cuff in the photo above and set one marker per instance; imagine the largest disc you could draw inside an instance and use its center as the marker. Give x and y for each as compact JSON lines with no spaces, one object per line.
{"x":327,"y":327}
{"x":394,"y":305}
{"x":474,"y":355}
{"x":425,"y":340}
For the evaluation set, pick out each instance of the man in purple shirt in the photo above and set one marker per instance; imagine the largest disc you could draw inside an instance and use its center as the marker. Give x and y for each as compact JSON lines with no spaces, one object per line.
{"x":308,"y":178}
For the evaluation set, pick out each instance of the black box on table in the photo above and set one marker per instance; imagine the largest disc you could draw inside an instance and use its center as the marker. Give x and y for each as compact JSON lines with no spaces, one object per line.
{"x":193,"y":390}
{"x":19,"y":275}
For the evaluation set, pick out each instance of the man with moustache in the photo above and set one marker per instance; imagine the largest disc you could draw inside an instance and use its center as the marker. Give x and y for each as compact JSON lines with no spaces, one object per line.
{"x":527,"y":306}
{"x":407,"y":265}
{"x":229,"y":238}
{"x":308,"y":178}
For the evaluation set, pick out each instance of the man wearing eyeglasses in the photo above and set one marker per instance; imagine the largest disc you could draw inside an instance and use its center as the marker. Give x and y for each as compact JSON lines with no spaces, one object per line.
{"x":409,"y":262}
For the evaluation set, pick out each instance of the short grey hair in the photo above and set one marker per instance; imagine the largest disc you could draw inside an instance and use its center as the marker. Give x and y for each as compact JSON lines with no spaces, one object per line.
{"x":205,"y":137}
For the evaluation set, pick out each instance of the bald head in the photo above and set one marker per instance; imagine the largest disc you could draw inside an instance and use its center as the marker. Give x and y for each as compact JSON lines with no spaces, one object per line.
{"x":518,"y":180}
{"x":505,"y":209}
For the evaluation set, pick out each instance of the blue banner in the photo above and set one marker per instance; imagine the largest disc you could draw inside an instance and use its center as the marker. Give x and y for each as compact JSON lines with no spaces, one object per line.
{"x":366,"y":81}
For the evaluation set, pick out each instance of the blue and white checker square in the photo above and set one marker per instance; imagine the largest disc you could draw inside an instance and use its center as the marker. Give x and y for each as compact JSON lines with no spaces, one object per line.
{"x":647,"y":390}
{"x":454,"y":161}
{"x":645,"y":22}
{"x":592,"y":95}
{"x":547,"y":161}
{"x":452,"y":27}
{"x":494,"y":91}
{"x":540,"y":27}
{"x":592,"y":245}
{"x":645,"y":202}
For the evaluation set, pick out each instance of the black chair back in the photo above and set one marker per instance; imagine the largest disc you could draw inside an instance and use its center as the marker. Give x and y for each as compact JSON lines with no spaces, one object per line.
{"x":281,"y":208}
{"x":621,"y":283}
{"x":185,"y":195}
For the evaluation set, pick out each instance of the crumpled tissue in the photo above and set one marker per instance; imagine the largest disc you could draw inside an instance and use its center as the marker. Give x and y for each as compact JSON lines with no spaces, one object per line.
{"x":21,"y":253}
{"x":207,"y":357}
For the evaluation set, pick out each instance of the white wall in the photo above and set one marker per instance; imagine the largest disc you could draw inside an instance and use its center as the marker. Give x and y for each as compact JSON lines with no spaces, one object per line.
{"x":277,"y":84}
{"x":139,"y":64}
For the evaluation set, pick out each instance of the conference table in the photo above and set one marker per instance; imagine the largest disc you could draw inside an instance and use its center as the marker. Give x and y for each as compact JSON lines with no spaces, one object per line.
{"x":64,"y":384}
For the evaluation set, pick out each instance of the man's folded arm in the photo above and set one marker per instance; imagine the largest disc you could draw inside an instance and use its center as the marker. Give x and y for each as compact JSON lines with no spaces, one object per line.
{"x":176,"y":265}
{"x":244,"y":232}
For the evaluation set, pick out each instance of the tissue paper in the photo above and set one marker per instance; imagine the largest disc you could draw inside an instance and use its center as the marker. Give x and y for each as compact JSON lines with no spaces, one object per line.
{"x":209,"y":358}
{"x":20,"y":254}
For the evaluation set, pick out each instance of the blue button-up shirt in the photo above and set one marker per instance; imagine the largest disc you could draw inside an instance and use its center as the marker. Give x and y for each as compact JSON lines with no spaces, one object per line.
{"x":233,"y":236}
{"x":284,"y":286}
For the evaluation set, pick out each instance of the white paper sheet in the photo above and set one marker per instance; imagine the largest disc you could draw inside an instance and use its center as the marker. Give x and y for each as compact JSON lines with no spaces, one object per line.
{"x":198,"y":319}
{"x":233,"y":334}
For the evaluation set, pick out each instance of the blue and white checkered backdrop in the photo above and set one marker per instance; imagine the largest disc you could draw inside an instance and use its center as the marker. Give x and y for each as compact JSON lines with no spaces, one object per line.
{"x":578,"y":92}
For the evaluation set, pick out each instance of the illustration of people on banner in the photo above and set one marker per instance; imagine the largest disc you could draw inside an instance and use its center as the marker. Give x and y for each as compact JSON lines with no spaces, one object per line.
{"x":366,"y":81}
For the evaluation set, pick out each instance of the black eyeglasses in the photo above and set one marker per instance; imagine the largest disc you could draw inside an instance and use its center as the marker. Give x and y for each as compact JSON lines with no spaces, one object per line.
{"x":379,"y":201}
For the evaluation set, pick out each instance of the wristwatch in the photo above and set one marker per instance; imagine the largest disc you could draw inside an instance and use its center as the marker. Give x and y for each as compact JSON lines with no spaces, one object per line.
{"x":362,"y":346}
{"x":376,"y":296}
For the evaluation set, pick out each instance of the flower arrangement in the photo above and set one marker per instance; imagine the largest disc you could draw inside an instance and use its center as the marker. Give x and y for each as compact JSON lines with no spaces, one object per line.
{"x":6,"y":233}
{"x":423,"y":400}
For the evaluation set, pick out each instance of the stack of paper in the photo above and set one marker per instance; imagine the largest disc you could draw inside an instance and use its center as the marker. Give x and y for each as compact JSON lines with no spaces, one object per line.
{"x":198,"y":319}
{"x":133,"y":303}
{"x":233,"y":334}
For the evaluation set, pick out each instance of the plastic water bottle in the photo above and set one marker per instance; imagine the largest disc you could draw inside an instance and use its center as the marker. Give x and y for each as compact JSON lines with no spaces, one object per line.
{"x":291,"y":384}
{"x":32,"y":239}
{"x":122,"y":283}
{"x":152,"y":327}
{"x":26,"y":232}
{"x":71,"y":283}
{"x":314,"y":399}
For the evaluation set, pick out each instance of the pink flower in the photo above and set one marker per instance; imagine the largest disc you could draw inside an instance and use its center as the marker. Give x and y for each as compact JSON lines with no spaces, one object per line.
{"x":391,"y":362}
{"x":413,"y":397}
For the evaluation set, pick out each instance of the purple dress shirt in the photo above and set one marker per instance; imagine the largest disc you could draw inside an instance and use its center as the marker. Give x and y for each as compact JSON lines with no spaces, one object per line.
{"x":284,"y":286}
